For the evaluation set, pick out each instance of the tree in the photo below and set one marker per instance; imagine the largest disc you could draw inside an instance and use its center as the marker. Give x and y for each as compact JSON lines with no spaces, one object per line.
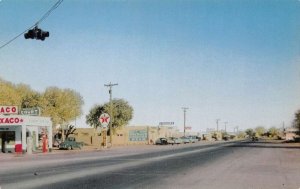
{"x":8,"y":94}
{"x":70,"y":130}
{"x":250,"y":132}
{"x":297,"y":120}
{"x":93,"y":116}
{"x":122,"y":113}
{"x":260,"y":130}
{"x":62,"y":105}
{"x":29,"y":97}
{"x":18,"y":95}
{"x":241,"y":134}
{"x":273,"y":131}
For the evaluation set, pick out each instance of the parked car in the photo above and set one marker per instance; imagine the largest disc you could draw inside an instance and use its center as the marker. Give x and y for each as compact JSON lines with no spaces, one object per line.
{"x":70,"y":143}
{"x":185,"y":140}
{"x":193,"y":139}
{"x":56,"y":142}
{"x":174,"y":140}
{"x":171,"y":140}
{"x":178,"y":140}
{"x":161,"y":141}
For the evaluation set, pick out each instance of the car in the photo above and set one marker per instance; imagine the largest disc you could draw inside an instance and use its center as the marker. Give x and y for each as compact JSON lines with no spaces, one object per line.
{"x":56,"y":142}
{"x":70,"y":144}
{"x":178,"y":140}
{"x":174,"y":140}
{"x":161,"y":141}
{"x":193,"y":139}
{"x":171,"y":140}
{"x":185,"y":140}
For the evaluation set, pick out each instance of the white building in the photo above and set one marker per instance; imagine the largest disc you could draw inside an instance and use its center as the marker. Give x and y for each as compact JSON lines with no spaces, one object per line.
{"x":16,"y":129}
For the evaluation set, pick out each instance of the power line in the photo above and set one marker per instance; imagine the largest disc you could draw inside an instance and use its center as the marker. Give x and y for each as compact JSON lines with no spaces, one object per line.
{"x":49,"y":11}
{"x":38,"y":22}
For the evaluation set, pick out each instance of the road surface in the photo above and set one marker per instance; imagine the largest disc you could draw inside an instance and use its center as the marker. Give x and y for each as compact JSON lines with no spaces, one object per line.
{"x":241,"y":164}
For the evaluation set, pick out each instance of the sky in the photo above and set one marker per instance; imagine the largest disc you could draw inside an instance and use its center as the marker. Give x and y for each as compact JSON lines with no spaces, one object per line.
{"x":233,"y":60}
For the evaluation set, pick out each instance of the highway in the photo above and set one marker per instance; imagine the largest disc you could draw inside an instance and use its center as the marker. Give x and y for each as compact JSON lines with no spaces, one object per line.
{"x":240,"y":164}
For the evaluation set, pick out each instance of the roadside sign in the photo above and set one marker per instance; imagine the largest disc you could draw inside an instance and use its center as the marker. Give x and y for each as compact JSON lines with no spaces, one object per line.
{"x":104,"y":120}
{"x":188,"y":128}
{"x":31,"y":111}
{"x":8,"y":109}
{"x":166,"y":123}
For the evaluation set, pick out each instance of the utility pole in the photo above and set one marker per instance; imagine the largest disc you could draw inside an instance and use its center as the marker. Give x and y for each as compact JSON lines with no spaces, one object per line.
{"x":236,"y":129}
{"x":225,"y":125}
{"x":217,"y":120}
{"x":110,"y":85}
{"x":184,"y":118}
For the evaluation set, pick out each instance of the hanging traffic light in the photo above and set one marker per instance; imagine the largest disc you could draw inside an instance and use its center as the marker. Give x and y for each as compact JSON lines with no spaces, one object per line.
{"x":36,"y":33}
{"x":30,"y":34}
{"x":41,"y":35}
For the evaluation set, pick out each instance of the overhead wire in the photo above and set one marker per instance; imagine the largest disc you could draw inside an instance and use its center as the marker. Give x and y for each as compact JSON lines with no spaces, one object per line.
{"x":38,"y":22}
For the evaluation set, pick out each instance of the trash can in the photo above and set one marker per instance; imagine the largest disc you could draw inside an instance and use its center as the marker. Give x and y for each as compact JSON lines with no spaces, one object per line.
{"x":18,"y":148}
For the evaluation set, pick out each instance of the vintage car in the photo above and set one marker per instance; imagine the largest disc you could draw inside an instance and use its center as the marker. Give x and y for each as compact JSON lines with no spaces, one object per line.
{"x":185,"y":140}
{"x":174,"y":140}
{"x":70,"y":143}
{"x":161,"y":141}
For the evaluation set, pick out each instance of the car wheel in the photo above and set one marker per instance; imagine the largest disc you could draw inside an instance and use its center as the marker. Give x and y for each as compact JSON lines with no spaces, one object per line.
{"x":69,"y":148}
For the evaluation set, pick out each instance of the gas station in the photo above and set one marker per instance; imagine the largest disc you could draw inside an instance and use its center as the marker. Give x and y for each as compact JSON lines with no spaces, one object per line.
{"x":23,"y":133}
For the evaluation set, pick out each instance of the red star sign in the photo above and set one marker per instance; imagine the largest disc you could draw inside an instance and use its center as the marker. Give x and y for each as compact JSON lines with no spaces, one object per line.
{"x":104,"y":119}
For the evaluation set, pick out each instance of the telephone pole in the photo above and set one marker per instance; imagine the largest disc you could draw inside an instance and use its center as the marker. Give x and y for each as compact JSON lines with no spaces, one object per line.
{"x":225,"y":125}
{"x":217,"y":121}
{"x":184,"y":118}
{"x":110,"y":85}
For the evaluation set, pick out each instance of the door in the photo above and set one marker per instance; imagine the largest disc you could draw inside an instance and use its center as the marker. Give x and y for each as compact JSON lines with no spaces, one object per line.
{"x":3,"y":141}
{"x":7,"y":140}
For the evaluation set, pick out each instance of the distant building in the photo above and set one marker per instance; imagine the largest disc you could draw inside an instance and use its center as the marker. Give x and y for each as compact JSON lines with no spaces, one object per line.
{"x":290,"y":133}
{"x":128,"y":135}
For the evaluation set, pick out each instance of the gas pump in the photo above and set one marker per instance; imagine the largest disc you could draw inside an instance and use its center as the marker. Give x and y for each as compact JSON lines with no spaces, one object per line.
{"x":45,"y":142}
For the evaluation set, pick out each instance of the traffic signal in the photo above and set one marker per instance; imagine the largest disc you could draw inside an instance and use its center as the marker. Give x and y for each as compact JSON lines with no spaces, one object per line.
{"x":30,"y":34}
{"x":36,"y":33}
{"x":41,"y":35}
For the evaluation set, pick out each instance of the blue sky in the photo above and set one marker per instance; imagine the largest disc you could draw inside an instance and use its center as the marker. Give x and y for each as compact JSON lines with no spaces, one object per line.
{"x":234,"y":60}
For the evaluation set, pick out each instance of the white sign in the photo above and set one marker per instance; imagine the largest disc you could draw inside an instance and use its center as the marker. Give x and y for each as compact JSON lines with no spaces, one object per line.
{"x":11,"y":120}
{"x":25,"y":120}
{"x":30,"y":111}
{"x":104,"y":120}
{"x":8,"y":109}
{"x":166,"y":123}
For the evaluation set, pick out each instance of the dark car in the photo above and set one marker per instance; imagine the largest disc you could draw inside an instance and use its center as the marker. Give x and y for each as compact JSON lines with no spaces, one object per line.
{"x":70,"y":143}
{"x":161,"y":141}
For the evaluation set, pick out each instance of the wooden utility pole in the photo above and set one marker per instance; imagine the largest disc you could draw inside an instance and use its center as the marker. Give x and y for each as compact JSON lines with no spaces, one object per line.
{"x":110,"y":85}
{"x":184,"y":118}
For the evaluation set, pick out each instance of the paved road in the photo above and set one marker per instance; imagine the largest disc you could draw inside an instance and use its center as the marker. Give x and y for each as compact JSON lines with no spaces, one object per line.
{"x":224,"y":165}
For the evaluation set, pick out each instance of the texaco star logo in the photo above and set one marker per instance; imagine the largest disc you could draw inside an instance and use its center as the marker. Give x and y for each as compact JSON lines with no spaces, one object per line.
{"x":104,"y":120}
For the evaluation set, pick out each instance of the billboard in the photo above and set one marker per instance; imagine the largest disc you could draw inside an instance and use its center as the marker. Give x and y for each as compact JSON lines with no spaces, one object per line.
{"x":138,"y":135}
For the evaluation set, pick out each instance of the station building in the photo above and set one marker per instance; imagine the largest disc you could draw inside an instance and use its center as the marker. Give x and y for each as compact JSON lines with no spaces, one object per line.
{"x":17,"y":131}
